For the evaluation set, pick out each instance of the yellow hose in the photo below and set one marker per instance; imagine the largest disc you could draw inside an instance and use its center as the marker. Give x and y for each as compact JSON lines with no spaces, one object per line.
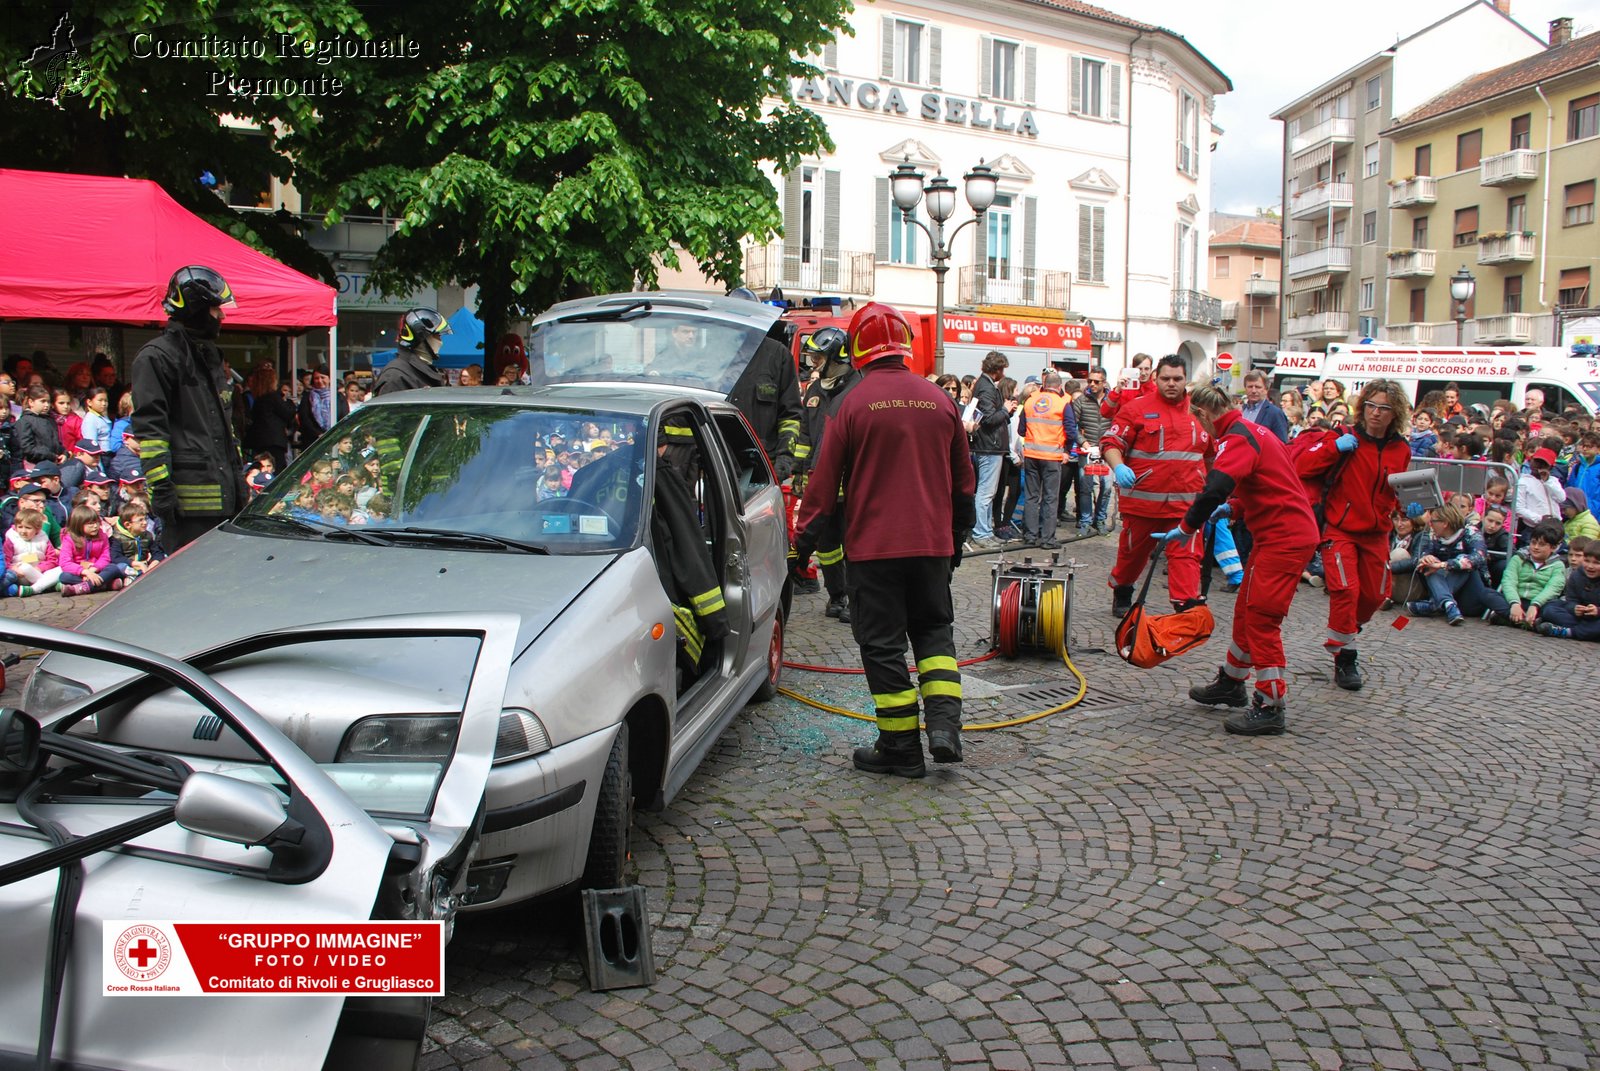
{"x":1052,"y":603}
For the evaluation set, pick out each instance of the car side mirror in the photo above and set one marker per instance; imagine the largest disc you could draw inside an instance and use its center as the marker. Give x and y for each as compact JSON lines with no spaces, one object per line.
{"x":19,"y":742}
{"x":230,"y":809}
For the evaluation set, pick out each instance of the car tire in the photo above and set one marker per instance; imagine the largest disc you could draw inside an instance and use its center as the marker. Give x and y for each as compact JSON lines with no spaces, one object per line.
{"x":607,"y":863}
{"x":769,"y":686}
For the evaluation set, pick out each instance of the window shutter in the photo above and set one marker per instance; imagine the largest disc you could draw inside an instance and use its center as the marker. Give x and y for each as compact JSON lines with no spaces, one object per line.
{"x":830,"y":55}
{"x":1030,"y":228}
{"x":1177,"y":257}
{"x":1077,"y":85}
{"x":1099,"y":264}
{"x":883,"y":217}
{"x":985,"y":66}
{"x":1085,"y":242}
{"x":793,"y":221}
{"x":1113,"y":91}
{"x":887,"y":67}
{"x":830,"y":228}
{"x":935,"y":55}
{"x":1030,"y":74}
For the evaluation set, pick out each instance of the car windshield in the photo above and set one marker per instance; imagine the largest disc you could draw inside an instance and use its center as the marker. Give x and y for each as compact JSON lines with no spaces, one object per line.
{"x":464,"y":476}
{"x":683,"y":347}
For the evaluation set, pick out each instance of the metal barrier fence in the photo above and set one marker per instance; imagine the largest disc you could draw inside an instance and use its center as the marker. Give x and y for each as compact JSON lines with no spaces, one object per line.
{"x":1471,"y":477}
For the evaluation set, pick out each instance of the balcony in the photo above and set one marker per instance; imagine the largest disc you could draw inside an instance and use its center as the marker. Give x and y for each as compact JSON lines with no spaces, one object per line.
{"x":1412,"y":264}
{"x":1417,"y":190}
{"x":1329,"y":131}
{"x":815,"y":270}
{"x":1262,"y":288}
{"x":1323,"y":199}
{"x":1509,"y":168}
{"x":1330,"y":258}
{"x":1514,"y":327}
{"x":1418,"y":333}
{"x":1227,"y":336}
{"x":1505,"y":248}
{"x":1193,"y":307}
{"x":1038,"y":288}
{"x":1320,"y":325}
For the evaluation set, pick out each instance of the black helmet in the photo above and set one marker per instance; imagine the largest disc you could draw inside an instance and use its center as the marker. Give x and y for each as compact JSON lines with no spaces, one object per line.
{"x":195,"y":290}
{"x":826,"y":343}
{"x":420,"y":323}
{"x":744,"y":293}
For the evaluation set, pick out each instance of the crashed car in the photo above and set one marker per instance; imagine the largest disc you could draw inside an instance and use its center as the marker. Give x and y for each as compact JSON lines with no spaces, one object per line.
{"x":548,"y":503}
{"x":95,"y":834}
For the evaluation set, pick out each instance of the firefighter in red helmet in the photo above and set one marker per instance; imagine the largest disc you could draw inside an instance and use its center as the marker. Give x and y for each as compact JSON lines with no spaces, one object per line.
{"x":907,"y":502}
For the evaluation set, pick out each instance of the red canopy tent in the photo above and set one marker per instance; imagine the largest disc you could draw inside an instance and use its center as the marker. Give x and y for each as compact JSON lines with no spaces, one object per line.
{"x":87,"y":247}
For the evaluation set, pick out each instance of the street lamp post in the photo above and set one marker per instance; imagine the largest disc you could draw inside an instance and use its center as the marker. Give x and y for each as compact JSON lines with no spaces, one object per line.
{"x":1462,"y":287}
{"x":1250,"y":322}
{"x":905,"y":183}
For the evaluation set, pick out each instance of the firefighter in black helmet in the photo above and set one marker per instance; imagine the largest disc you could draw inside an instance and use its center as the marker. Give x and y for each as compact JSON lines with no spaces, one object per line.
{"x":412,"y":367}
{"x":768,"y":394}
{"x":187,"y":449}
{"x":825,"y":349}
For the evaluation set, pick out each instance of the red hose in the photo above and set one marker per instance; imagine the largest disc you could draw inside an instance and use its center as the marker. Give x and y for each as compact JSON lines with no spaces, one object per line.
{"x":1010,"y":612}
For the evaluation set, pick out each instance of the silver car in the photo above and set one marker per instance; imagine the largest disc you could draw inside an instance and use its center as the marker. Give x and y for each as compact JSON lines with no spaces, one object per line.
{"x":544,"y":503}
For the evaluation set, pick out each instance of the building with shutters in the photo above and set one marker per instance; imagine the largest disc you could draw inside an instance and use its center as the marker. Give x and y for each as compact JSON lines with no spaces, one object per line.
{"x":1497,"y":175}
{"x":1100,"y":129}
{"x":1336,"y":166}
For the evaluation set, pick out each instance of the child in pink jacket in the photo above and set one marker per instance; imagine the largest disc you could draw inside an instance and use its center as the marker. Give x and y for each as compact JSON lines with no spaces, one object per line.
{"x":32,"y":567}
{"x":86,"y":555}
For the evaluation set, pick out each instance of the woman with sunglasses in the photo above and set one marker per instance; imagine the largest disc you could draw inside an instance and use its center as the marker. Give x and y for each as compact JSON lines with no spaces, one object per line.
{"x":1354,"y":464}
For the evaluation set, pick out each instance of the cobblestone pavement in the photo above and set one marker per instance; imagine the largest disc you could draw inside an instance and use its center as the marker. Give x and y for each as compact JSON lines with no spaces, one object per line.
{"x":1408,"y":879}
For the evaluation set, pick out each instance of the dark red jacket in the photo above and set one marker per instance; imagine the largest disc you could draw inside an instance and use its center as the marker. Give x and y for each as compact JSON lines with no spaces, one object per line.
{"x":897,"y":447}
{"x":1115,"y":399}
{"x":1166,"y":448}
{"x":1360,"y":502}
{"x":1253,"y":468}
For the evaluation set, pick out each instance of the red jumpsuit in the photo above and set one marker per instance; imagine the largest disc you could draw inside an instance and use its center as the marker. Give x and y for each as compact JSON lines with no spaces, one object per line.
{"x":1254,"y":469}
{"x":1358,"y":511}
{"x":1166,"y":448}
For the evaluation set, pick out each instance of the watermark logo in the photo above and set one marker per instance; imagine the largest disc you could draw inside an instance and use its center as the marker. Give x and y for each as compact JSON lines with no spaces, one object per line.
{"x":142,"y":953}
{"x":58,"y":69}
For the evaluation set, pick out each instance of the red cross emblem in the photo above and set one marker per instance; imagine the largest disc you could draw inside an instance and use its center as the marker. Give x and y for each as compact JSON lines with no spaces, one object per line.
{"x":142,"y":952}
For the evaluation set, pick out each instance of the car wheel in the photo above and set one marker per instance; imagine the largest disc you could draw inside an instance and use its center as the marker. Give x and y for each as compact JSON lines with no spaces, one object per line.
{"x":769,"y":686}
{"x":613,"y":821}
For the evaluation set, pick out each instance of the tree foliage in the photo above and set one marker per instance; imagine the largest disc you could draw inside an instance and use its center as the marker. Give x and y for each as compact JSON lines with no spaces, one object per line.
{"x":539,"y":150}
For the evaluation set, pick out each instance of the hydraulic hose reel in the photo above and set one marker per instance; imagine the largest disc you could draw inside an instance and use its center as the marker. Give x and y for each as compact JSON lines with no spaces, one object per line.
{"x":1031,"y":605}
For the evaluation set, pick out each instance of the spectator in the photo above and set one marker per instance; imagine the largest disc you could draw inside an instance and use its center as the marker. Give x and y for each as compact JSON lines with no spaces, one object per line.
{"x":1539,"y":494}
{"x":1533,"y":577}
{"x":1093,"y":493}
{"x":10,"y":410}
{"x":1585,"y":471}
{"x":1294,"y":411}
{"x":1404,"y":550}
{"x":69,"y":424}
{"x":1259,"y":408}
{"x":120,"y":426}
{"x":1135,"y":381}
{"x":31,"y":561}
{"x":471,"y":376}
{"x":272,"y":416}
{"x":86,"y":555}
{"x":1497,"y":543}
{"x":133,"y":545}
{"x":991,"y":431}
{"x":1455,"y":567}
{"x":1452,"y":402}
{"x":317,"y":408}
{"x":355,"y":396}
{"x":1424,"y":437}
{"x":1575,"y":515}
{"x":1330,"y":405}
{"x":1576,"y":614}
{"x":36,"y":436}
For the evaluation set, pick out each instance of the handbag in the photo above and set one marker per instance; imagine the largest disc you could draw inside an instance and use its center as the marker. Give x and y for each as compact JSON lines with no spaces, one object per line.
{"x":1146,"y":640}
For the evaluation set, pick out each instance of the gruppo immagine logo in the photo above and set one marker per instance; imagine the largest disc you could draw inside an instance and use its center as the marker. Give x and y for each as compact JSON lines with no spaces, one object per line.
{"x":58,"y":69}
{"x":142,"y":953}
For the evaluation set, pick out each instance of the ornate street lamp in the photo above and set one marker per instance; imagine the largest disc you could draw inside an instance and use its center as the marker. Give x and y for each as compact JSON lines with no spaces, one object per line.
{"x":906,"y":186}
{"x":1462,"y":287}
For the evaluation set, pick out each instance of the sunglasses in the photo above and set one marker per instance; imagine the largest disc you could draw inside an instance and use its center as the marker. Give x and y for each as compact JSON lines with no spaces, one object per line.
{"x":1378,"y":407}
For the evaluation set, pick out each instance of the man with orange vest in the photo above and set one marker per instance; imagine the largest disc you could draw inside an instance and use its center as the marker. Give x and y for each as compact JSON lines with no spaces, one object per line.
{"x":1157,"y":452}
{"x":1049,"y":431}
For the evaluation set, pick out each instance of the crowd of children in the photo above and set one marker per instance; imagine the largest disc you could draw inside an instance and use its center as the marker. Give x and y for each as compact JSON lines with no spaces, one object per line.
{"x":95,"y":534}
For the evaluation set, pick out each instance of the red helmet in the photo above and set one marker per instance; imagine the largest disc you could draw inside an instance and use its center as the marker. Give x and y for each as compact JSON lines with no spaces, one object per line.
{"x":878,"y":331}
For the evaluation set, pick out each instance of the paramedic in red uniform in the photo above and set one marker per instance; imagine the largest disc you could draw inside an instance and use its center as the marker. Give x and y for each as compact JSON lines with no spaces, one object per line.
{"x":1252,"y":479}
{"x":1157,"y":453}
{"x":897,"y":447}
{"x":1357,"y":514}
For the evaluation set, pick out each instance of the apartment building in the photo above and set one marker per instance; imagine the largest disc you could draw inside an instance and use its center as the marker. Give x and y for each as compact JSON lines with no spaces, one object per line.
{"x":1336,"y":165}
{"x":1246,"y":276}
{"x":1494,"y":179}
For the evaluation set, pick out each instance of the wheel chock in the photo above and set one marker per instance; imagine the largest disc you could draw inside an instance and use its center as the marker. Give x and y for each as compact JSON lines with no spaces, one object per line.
{"x":616,"y":930}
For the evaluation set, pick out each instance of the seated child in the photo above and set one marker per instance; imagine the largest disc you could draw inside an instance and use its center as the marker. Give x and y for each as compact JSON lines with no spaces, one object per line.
{"x":1495,"y":492}
{"x":1576,"y":614}
{"x":1497,"y":542}
{"x":86,"y":555}
{"x":1575,"y":515}
{"x":1534,"y":576}
{"x":1455,"y":568}
{"x":32,"y":567}
{"x":1404,"y":544}
{"x":1467,"y":505}
{"x":260,"y":473}
{"x":132,"y":544}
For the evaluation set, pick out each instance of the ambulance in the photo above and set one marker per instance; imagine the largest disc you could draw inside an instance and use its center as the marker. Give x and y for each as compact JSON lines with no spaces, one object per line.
{"x":1567,"y":375}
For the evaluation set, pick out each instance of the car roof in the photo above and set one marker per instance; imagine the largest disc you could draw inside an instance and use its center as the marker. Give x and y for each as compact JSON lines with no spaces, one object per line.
{"x":628,"y":398}
{"x":741,"y":311}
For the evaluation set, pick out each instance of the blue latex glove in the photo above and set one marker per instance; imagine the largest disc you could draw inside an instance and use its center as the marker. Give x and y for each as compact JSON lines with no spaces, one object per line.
{"x":1346,"y":443}
{"x":1176,"y":535}
{"x":1414,"y":510}
{"x":1125,"y":476}
{"x":1222,"y":511}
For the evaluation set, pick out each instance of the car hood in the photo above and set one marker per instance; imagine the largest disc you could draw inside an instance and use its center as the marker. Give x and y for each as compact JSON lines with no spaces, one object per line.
{"x":230,"y":584}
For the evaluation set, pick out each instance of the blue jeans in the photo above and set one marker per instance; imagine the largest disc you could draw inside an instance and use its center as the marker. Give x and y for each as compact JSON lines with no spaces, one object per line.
{"x":1467,"y":590}
{"x":988,"y":466}
{"x":1094,"y":492}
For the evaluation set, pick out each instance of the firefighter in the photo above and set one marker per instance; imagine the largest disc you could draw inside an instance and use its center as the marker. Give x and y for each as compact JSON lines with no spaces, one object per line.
{"x":421,"y":332}
{"x":1252,"y":479}
{"x":1357,"y":511}
{"x":1157,"y":453}
{"x":825,"y":348}
{"x":898,"y":449}
{"x":767,"y":392}
{"x":186,"y":444}
{"x":683,"y":560}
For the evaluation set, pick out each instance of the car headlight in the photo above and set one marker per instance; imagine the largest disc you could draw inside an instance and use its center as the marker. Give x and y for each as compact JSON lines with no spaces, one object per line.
{"x":411,"y":738}
{"x":521,"y":734}
{"x":46,"y":691}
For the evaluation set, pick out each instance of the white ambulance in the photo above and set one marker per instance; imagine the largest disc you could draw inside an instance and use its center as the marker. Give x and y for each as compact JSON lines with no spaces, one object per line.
{"x":1481,"y":373}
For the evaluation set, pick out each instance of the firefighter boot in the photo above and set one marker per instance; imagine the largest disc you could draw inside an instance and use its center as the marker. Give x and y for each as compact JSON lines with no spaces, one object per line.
{"x":1122,"y":599}
{"x":1264,"y":718}
{"x":944,"y":744}
{"x":1346,"y":674}
{"x":897,"y":753}
{"x":835,"y":606}
{"x":844,"y":611}
{"x":1222,"y":692}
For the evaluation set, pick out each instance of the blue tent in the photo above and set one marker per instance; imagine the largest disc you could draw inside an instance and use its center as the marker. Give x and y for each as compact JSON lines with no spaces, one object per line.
{"x":461,"y":347}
